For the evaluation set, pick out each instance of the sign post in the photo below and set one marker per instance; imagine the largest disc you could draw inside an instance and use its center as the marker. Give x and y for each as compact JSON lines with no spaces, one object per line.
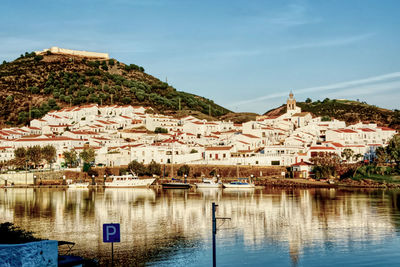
{"x":111,"y":234}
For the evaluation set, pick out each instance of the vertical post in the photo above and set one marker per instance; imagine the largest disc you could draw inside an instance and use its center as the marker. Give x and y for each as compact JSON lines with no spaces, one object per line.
{"x":26,"y":172}
{"x":214,"y":231}
{"x":112,"y":254}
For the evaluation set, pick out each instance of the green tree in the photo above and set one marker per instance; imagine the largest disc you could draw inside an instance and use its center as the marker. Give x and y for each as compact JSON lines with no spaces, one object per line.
{"x":308,"y":100}
{"x":347,"y":154}
{"x":87,"y":155}
{"x":325,"y":164}
{"x":154,"y":168}
{"x":393,"y":149}
{"x":137,"y":168}
{"x":9,"y":98}
{"x":49,"y":154}
{"x":70,"y":158}
{"x":160,"y":130}
{"x":34,"y":155}
{"x":20,"y":157}
{"x":183,"y":170}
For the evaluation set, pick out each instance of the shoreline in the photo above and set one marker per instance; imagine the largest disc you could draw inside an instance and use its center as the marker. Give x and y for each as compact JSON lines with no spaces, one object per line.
{"x":260,"y":183}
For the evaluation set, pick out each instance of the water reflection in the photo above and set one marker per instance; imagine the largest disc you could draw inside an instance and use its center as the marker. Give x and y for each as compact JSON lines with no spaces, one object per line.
{"x":158,"y":225}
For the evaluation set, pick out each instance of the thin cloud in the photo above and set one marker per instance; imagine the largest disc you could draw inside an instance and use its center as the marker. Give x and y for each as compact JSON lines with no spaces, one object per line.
{"x":294,"y":15}
{"x":333,"y":42}
{"x":336,"y":86}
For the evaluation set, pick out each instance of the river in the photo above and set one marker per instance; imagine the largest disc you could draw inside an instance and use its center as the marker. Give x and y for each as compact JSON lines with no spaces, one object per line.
{"x":267,"y":227}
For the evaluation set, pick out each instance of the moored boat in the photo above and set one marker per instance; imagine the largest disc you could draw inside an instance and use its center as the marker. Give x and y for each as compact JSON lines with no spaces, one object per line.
{"x":240,"y":183}
{"x":128,"y":181}
{"x":176,"y":184}
{"x":209,"y":183}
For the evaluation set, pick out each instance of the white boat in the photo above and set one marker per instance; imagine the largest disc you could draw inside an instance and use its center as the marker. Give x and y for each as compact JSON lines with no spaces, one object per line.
{"x":240,"y":183}
{"x":209,"y":183}
{"x":79,"y":185}
{"x":129,"y":181}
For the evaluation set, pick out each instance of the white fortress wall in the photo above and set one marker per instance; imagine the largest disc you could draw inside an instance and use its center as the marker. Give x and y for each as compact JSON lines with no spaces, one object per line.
{"x":58,"y":50}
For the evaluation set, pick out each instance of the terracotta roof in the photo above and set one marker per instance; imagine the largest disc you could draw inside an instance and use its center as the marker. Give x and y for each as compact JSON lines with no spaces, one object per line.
{"x":213,"y":148}
{"x":250,"y":135}
{"x":321,"y":148}
{"x":301,"y":114}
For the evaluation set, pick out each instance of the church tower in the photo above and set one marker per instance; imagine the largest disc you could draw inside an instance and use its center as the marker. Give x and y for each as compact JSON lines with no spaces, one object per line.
{"x":291,"y":102}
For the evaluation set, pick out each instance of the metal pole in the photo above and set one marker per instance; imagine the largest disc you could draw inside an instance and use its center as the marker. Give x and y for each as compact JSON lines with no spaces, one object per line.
{"x":214,"y":231}
{"x":26,"y":172}
{"x":112,"y":254}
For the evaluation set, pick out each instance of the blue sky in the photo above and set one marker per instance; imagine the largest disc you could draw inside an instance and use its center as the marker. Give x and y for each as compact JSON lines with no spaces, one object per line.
{"x":245,"y":55}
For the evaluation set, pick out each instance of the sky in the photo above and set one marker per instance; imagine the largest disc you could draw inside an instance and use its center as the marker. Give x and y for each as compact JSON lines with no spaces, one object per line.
{"x":245,"y":55}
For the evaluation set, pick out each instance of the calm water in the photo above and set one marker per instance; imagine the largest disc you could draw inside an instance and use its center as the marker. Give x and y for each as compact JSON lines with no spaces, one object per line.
{"x":269,"y":227}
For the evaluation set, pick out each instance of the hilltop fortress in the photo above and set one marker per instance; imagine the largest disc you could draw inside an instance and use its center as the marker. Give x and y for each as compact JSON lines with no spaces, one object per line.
{"x":58,"y":50}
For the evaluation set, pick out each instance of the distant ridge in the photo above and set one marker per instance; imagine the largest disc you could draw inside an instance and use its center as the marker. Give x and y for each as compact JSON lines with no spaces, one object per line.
{"x":346,"y":110}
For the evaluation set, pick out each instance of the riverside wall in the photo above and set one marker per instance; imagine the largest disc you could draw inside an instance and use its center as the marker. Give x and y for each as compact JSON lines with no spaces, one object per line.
{"x":40,"y":253}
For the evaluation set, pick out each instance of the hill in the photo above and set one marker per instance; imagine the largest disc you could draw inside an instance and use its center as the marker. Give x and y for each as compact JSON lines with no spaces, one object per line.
{"x":32,"y":85}
{"x":348,"y":111}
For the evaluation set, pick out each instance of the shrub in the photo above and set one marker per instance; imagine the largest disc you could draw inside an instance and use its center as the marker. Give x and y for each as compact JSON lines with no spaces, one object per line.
{"x":160,"y":130}
{"x":183,"y":170}
{"x":137,"y":168}
{"x":11,"y":234}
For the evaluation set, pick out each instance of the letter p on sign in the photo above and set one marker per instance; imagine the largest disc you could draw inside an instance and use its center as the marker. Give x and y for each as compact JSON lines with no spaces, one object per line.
{"x":111,"y":233}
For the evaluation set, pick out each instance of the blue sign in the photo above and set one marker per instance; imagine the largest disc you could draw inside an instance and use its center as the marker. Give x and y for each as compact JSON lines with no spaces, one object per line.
{"x":111,"y":233}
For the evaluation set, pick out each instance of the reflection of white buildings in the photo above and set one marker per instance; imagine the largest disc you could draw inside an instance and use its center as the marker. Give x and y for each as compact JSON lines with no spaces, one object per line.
{"x":302,"y":218}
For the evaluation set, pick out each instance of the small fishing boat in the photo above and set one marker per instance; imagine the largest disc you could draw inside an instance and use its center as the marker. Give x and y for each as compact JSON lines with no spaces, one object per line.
{"x":209,"y":183}
{"x":128,"y":181}
{"x":240,"y":183}
{"x":176,"y":184}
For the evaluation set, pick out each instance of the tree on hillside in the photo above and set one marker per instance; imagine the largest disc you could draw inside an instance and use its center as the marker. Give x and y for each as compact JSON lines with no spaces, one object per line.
{"x":325,"y":164}
{"x":357,"y":157}
{"x":49,"y":154}
{"x":380,"y":155}
{"x":393,"y":149}
{"x":308,"y":100}
{"x":183,"y":170}
{"x":154,"y":168}
{"x":70,"y":158}
{"x":160,"y":130}
{"x":87,"y":155}
{"x":20,"y":157}
{"x":347,"y":154}
{"x":34,"y":155}
{"x":137,"y":168}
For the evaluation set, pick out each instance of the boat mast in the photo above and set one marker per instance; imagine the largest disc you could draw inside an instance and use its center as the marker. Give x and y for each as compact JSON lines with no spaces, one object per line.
{"x":172,"y":158}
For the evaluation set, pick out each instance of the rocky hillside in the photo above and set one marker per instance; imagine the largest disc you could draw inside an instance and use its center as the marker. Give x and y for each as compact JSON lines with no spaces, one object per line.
{"x":32,"y":85}
{"x":348,"y":111}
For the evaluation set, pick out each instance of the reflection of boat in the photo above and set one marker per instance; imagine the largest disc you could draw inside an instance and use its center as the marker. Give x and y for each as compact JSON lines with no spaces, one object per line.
{"x":129,"y":194}
{"x":240,"y":183}
{"x":176,"y":184}
{"x":209,"y":183}
{"x":79,"y":185}
{"x":129,"y":181}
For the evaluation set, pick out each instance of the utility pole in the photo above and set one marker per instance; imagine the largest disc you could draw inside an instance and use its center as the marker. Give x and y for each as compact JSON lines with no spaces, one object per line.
{"x":214,"y":232}
{"x":111,"y":99}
